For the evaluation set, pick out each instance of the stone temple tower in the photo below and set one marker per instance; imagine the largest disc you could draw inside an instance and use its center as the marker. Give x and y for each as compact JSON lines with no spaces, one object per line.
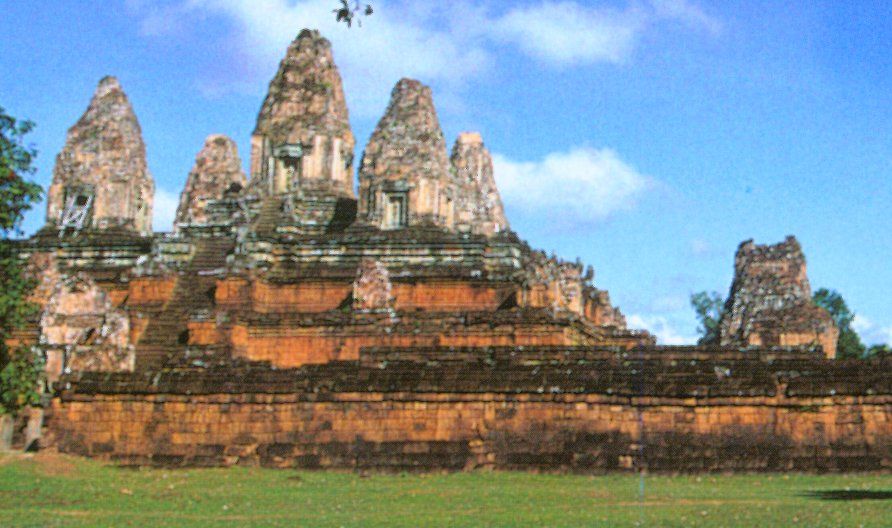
{"x":217,"y":171}
{"x":101,"y":180}
{"x":479,"y":204}
{"x":770,"y":301}
{"x":302,"y":140}
{"x":405,"y":178}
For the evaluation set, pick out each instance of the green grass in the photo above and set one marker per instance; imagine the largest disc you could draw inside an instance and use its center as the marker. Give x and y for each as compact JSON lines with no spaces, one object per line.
{"x":48,"y":490}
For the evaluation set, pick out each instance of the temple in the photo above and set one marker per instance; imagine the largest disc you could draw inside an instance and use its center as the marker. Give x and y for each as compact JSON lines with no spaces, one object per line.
{"x":288,"y":266}
{"x":770,"y":302}
{"x":287,"y":319}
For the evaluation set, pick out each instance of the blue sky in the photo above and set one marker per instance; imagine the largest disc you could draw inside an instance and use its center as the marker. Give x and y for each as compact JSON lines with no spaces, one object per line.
{"x":647,"y":137}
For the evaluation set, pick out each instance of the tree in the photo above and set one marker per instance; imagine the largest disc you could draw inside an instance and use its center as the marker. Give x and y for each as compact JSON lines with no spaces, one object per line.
{"x":17,"y":195}
{"x":708,"y":307}
{"x":21,"y":370}
{"x":347,"y":13}
{"x":20,"y":382}
{"x":849,"y":344}
{"x":878,"y":351}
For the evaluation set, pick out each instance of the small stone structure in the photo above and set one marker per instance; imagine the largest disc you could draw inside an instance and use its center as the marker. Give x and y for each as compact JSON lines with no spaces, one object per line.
{"x":101,"y":180}
{"x":217,"y":171}
{"x":372,"y":289}
{"x":770,"y":302}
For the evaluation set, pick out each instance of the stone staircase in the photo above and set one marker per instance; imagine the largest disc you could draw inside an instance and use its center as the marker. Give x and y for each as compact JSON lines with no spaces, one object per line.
{"x":268,"y":218}
{"x":167,"y":333}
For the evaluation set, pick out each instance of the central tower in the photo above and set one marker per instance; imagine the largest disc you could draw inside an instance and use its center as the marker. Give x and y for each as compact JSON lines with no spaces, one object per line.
{"x":303,"y":141}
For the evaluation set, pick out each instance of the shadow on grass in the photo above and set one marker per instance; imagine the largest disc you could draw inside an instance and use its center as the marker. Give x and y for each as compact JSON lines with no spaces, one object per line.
{"x":849,"y":495}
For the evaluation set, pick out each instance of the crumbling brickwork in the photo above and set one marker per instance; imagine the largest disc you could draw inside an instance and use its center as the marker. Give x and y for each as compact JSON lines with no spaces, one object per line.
{"x":583,"y":410}
{"x":479,"y":205}
{"x":303,"y":139}
{"x":101,"y":180}
{"x":81,"y":330}
{"x":770,"y":301}
{"x":217,"y":170}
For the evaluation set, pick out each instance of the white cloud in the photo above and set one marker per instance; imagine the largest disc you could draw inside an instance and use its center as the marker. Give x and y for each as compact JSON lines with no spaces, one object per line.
{"x":583,"y":184}
{"x":700,"y":247}
{"x":445,"y":45}
{"x":660,"y":326}
{"x":862,"y":323}
{"x":393,"y":43}
{"x":567,"y":33}
{"x":670,"y":303}
{"x":687,"y":13}
{"x":870,"y":332}
{"x":164,"y":210}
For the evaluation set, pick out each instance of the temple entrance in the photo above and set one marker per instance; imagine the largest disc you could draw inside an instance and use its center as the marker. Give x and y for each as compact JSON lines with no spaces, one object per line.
{"x":395,"y":211}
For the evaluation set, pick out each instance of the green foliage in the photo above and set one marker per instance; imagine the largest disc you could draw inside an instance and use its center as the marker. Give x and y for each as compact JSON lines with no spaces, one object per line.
{"x":20,"y":381}
{"x":878,"y":350}
{"x":708,"y":307}
{"x":849,"y":344}
{"x":17,"y":377}
{"x":17,"y":195}
{"x":14,"y":289}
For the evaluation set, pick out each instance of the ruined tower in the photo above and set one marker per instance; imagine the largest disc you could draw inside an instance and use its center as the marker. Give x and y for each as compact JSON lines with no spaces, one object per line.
{"x":217,"y":170}
{"x":405,"y":177}
{"x":479,"y":204}
{"x":770,"y":301}
{"x":302,"y":140}
{"x":101,"y":180}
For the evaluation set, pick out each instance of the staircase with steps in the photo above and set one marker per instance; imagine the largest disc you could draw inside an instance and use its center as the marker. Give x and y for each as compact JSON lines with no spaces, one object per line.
{"x":167,"y":333}
{"x":269,"y":216}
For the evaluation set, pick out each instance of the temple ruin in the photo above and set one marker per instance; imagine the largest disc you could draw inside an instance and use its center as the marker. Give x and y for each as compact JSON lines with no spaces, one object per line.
{"x":101,"y":180}
{"x":289,"y":321}
{"x":770,"y":302}
{"x":217,"y":172}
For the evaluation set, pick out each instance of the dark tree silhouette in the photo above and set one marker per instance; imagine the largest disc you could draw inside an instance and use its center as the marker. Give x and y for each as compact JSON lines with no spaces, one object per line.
{"x":349,"y":12}
{"x":849,"y":344}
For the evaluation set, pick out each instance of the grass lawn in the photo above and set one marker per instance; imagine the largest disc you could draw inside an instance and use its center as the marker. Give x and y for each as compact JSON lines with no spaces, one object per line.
{"x":51,"y":490}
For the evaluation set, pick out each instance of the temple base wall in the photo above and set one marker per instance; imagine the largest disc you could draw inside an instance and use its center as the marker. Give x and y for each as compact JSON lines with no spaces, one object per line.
{"x":455,"y":431}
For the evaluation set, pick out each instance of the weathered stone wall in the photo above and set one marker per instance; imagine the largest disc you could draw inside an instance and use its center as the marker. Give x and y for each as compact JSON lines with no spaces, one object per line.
{"x":102,"y":168}
{"x":81,"y":330}
{"x":292,"y":340}
{"x":770,"y":300}
{"x":549,"y":282}
{"x":322,"y":295}
{"x":567,"y":410}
